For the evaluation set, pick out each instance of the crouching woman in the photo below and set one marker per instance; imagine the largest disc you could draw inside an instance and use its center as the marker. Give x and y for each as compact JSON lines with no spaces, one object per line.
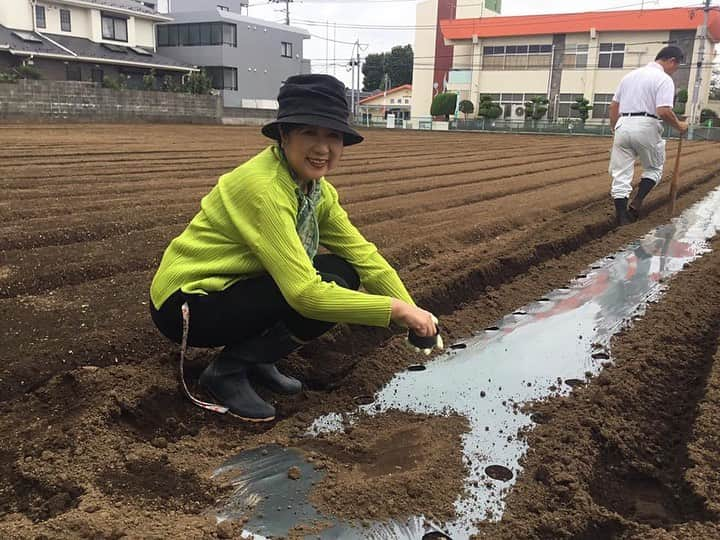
{"x":246,"y":269}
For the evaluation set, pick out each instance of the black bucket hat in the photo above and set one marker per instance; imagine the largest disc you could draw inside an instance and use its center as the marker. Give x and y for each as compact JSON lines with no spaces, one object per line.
{"x":314,"y":100}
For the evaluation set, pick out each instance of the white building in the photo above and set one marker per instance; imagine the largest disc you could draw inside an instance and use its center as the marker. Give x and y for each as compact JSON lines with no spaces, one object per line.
{"x":571,"y":55}
{"x":84,"y":40}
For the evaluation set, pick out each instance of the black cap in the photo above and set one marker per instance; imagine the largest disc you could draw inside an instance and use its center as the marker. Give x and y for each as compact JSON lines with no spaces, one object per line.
{"x":671,"y":51}
{"x":315,"y":100}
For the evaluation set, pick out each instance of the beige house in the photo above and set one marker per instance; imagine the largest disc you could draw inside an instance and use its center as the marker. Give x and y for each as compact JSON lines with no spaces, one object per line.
{"x":566,"y":56}
{"x":84,"y":40}
{"x":394,"y":101}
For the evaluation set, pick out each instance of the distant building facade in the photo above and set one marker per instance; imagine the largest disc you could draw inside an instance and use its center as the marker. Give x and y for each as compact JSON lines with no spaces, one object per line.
{"x":393,"y":101}
{"x":433,"y":56}
{"x":84,"y":40}
{"x":246,"y":58}
{"x":563,"y":57}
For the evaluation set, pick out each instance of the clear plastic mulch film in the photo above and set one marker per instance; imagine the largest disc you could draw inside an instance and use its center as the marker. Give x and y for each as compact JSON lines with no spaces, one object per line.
{"x":543,"y":349}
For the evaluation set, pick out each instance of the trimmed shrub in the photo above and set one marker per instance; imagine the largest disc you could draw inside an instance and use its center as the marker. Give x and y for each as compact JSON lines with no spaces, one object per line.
{"x":443,"y":105}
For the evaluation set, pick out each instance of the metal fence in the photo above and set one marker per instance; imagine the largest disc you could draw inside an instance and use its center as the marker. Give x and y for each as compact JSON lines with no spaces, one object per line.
{"x":569,"y":128}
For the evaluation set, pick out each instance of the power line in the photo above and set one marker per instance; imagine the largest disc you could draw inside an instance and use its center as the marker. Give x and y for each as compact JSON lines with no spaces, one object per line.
{"x":566,"y":51}
{"x":491,"y":22}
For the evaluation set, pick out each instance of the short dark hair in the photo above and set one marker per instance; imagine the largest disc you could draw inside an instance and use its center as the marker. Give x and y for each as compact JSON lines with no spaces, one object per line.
{"x":671,"y":51}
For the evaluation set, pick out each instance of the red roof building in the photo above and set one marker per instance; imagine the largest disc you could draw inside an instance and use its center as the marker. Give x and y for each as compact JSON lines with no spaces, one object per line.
{"x":564,"y":56}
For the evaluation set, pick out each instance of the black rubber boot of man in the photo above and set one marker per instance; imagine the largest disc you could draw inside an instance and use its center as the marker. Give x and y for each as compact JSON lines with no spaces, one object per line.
{"x":643,"y":189}
{"x":621,"y":212}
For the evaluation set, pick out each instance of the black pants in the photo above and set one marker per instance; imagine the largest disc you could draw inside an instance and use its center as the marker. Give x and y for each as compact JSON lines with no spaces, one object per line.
{"x":247,"y":308}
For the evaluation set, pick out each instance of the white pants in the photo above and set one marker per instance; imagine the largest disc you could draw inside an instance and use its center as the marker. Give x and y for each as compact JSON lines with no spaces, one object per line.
{"x":636,"y":137}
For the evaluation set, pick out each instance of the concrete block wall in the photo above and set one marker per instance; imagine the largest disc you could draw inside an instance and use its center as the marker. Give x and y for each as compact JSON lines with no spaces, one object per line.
{"x":36,"y":101}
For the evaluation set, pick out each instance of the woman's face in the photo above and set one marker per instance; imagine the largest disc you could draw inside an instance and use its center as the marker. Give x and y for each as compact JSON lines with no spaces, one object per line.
{"x":312,"y":151}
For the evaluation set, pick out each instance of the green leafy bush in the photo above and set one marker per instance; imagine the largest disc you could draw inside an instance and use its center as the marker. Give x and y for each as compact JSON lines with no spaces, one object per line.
{"x":583,"y":107}
{"x":443,"y":105}
{"x":197,"y":82}
{"x":150,"y":80}
{"x":709,"y":118}
{"x":27,"y":72}
{"x":487,"y":108}
{"x":466,"y":107}
{"x":536,"y":108}
{"x":8,"y":77}
{"x":681,"y":99}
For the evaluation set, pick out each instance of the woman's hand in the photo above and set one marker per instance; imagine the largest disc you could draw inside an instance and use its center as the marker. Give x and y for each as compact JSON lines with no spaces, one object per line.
{"x":416,"y":319}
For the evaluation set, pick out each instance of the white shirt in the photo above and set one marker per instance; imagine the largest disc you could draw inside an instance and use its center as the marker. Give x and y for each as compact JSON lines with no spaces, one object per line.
{"x":645,"y":89}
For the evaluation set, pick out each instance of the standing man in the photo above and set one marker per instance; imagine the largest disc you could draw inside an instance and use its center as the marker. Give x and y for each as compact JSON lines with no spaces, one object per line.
{"x":642,"y":101}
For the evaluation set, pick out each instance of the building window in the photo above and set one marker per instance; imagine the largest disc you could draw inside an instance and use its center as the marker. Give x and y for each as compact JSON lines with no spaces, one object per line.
{"x":576,"y":56}
{"x":612,"y":55}
{"x":73,"y":72}
{"x":65,"y":20}
{"x":601,"y":105}
{"x":196,"y":34}
{"x":407,"y":101}
{"x":223,"y":78}
{"x":286,"y":49}
{"x":40,"y":16}
{"x":114,"y":28}
{"x":516,"y":57}
{"x":565,"y":102}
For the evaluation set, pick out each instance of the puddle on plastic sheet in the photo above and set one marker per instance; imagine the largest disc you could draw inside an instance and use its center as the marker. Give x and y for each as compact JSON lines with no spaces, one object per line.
{"x":545,"y":348}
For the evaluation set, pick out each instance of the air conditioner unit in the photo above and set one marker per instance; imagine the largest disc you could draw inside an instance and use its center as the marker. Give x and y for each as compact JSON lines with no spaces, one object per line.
{"x":518,"y":112}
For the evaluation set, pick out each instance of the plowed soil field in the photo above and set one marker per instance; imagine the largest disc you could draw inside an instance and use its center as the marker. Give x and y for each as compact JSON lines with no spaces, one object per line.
{"x":96,"y":441}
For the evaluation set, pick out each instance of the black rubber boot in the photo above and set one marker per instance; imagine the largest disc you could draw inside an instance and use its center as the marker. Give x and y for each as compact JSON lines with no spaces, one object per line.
{"x":643,"y":189}
{"x":270,"y":376}
{"x":621,"y":212}
{"x":226,"y":380}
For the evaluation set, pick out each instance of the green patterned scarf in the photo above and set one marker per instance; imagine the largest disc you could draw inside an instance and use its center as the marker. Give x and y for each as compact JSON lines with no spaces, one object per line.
{"x":307,"y":225}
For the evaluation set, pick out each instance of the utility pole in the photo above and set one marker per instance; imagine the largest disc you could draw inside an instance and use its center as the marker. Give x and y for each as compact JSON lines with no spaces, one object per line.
{"x":354,"y":65}
{"x":357,"y":63}
{"x":287,"y":9}
{"x":702,"y":36}
{"x":327,"y":43}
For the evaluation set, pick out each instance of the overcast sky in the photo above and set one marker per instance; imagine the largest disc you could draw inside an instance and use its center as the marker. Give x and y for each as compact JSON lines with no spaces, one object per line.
{"x":401,"y":14}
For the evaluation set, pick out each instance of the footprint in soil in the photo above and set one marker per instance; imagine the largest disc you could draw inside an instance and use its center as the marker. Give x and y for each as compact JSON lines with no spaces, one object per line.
{"x":160,"y":415}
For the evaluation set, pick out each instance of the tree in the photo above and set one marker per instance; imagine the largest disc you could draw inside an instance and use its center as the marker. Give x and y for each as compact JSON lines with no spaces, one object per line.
{"x":399,"y":65}
{"x":487,"y":108}
{"x":583,"y":107}
{"x":536,"y":107}
{"x":373,"y":71}
{"x":396,"y":64}
{"x":680,"y":101}
{"x":443,"y":105}
{"x":466,"y":107}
